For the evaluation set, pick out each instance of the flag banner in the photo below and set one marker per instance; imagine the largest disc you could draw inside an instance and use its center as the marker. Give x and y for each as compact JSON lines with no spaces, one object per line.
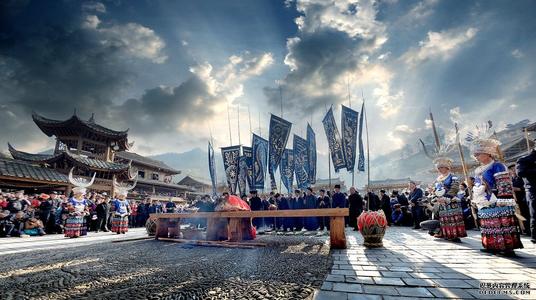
{"x":242,"y":175}
{"x":361,"y":163}
{"x":311,"y":144}
{"x":212,"y":168}
{"x":301,"y":163}
{"x":230,"y":164}
{"x":278,"y":137}
{"x":334,"y":141}
{"x":260,"y":161}
{"x":287,"y":169}
{"x":349,"y":136}
{"x":248,"y":153}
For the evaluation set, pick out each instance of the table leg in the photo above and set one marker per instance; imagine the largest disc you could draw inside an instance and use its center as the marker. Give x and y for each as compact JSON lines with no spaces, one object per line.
{"x":161,"y":228}
{"x":337,"y":235}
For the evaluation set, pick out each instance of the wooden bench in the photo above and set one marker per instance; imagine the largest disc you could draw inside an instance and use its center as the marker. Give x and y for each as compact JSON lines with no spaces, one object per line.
{"x":336,"y":215}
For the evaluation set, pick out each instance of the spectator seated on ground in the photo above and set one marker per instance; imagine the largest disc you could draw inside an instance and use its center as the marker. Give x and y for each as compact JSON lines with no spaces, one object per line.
{"x":398,"y":216}
{"x":33,"y":227}
{"x":6,"y":226}
{"x":408,"y":217}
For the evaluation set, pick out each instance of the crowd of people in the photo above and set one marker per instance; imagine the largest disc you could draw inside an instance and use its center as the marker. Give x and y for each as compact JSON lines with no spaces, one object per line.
{"x":498,"y":200}
{"x":23,"y":215}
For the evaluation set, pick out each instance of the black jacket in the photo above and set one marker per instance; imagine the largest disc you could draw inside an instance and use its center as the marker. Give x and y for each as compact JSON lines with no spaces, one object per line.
{"x":526,"y":168}
{"x":102,"y":209}
{"x":355,"y":202}
{"x":255,"y":203}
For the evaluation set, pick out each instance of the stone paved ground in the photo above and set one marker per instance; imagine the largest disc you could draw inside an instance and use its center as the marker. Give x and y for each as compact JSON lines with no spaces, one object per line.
{"x":413,"y":264}
{"x":291,"y":267}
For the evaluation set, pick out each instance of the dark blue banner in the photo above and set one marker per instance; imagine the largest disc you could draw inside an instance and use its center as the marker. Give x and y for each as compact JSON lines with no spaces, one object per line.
{"x":248,"y":153}
{"x":334,"y":141}
{"x":361,"y":163}
{"x":279,"y":133}
{"x":242,"y":175}
{"x":212,"y":168}
{"x":301,"y":163}
{"x":287,"y":169}
{"x":260,"y":161}
{"x":349,"y":136}
{"x":311,"y":145}
{"x":230,"y":164}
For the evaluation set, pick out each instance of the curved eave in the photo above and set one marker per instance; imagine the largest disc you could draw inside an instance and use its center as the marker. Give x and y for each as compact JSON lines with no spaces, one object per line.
{"x":50,"y":127}
{"x":95,"y":164}
{"x":30,"y":157}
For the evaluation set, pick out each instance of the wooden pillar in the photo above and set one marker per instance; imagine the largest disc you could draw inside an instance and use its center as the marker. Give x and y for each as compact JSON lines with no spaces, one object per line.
{"x":108,"y":154}
{"x":174,"y":228}
{"x":337,"y":235}
{"x":79,"y":146}
{"x":161,"y":228}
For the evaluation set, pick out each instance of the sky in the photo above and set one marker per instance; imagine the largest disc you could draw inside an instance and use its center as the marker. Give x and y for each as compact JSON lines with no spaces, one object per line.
{"x":177,"y":72}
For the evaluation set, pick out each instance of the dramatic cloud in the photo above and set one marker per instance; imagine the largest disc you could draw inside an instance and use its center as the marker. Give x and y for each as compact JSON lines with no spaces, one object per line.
{"x":439,"y":45}
{"x":168,"y":70}
{"x":333,"y":46}
{"x":53,"y":65}
{"x":186,"y":108}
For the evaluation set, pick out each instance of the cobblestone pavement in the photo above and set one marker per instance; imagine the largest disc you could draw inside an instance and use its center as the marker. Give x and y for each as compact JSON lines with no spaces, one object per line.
{"x":92,"y":267}
{"x":413,"y":264}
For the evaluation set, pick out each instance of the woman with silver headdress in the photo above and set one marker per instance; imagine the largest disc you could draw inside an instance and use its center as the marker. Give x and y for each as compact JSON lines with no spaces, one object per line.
{"x":448,"y":206}
{"x":77,"y":207}
{"x":121,"y":208}
{"x":447,"y":212}
{"x":493,"y":197}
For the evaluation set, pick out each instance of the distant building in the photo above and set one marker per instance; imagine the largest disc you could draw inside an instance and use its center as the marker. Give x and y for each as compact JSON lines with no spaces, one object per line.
{"x":197,"y":185}
{"x":389,"y":184}
{"x":329,"y":185}
{"x":89,"y":148}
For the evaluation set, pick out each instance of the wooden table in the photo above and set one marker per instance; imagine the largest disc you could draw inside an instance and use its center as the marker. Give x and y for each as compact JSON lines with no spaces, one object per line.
{"x":336,"y":216}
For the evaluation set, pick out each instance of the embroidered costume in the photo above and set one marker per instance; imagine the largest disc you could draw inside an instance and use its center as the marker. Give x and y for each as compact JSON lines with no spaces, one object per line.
{"x":449,"y":208}
{"x":493,"y":196}
{"x":75,"y":224}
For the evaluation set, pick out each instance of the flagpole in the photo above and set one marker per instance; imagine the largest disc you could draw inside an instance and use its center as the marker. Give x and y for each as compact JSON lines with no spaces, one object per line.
{"x":527,"y":139}
{"x":280,"y":173}
{"x":281,"y":98}
{"x":229,"y":121}
{"x":368,"y":154}
{"x":250,"y":128}
{"x":238,"y":113}
{"x":329,"y":158}
{"x":348,"y":87}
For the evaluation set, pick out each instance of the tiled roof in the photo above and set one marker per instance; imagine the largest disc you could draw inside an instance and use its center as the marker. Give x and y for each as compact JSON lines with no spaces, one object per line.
{"x":32,"y":157}
{"x":190,"y":180}
{"x":145,"y":161}
{"x":89,"y":163}
{"x":74,"y":125}
{"x":43,"y":122}
{"x":18,"y":169}
{"x":96,"y":164}
{"x":164,"y":184}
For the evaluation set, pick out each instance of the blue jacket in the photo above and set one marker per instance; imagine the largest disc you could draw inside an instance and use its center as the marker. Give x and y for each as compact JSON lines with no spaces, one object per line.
{"x":397,"y":217}
{"x":339,"y":200}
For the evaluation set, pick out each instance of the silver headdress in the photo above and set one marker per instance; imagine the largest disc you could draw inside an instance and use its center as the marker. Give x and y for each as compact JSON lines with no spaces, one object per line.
{"x":483,"y":140}
{"x":81,"y":184}
{"x":122,"y":188}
